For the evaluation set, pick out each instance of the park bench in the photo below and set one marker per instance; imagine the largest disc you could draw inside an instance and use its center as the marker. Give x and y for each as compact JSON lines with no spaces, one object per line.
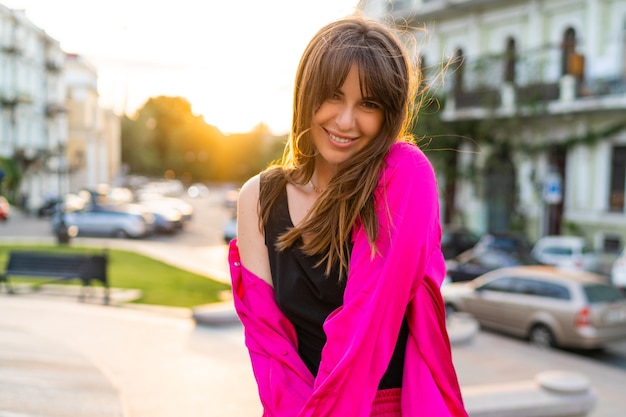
{"x":59,"y":267}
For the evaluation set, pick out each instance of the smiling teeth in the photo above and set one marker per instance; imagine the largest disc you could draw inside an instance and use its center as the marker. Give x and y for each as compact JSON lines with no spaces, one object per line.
{"x":338,"y":139}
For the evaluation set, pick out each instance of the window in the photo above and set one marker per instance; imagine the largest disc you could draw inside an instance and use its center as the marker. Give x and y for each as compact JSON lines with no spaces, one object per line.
{"x":541,"y":289}
{"x":618,"y":179}
{"x":600,"y":293}
{"x":510,"y":59}
{"x":458,"y":70}
{"x":558,"y":251}
{"x":552,"y":290}
{"x":504,"y":284}
{"x":572,"y":63}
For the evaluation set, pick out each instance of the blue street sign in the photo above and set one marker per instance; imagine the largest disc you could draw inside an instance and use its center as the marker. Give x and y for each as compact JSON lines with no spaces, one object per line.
{"x":553,"y":189}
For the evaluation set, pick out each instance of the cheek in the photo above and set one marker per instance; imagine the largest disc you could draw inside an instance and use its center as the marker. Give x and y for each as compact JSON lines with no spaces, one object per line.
{"x":373,"y":124}
{"x":323,"y":113}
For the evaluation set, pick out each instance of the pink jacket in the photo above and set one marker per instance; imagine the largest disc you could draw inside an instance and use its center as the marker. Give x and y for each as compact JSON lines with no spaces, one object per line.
{"x":403,"y":277}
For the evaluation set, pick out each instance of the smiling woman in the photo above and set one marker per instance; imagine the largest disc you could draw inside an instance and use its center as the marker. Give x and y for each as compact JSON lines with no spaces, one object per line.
{"x":234,"y":61}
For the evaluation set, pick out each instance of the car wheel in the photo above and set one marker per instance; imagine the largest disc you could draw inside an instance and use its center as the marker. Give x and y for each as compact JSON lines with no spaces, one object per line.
{"x":541,"y":336}
{"x":120,"y":234}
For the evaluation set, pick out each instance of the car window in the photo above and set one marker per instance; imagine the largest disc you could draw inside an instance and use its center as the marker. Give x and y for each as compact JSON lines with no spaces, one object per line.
{"x":504,"y":284}
{"x":551,"y":290}
{"x":557,"y":250}
{"x":600,"y":293}
{"x":489,"y":259}
{"x":521,"y":285}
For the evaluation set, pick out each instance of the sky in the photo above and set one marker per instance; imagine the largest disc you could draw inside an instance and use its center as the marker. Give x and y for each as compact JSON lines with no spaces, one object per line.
{"x":234,"y":60}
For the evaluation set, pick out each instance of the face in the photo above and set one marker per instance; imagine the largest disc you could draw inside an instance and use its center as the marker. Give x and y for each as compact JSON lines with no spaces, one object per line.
{"x":345,"y":123}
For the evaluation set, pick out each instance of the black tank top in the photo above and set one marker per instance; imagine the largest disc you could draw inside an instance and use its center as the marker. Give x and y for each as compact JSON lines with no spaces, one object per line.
{"x":306,"y":296}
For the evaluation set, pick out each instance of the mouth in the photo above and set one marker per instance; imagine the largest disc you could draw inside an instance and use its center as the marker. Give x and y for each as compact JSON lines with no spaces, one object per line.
{"x":339,"y":139}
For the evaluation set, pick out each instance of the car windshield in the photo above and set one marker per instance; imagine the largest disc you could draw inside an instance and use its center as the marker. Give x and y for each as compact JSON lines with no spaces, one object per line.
{"x":600,"y":293}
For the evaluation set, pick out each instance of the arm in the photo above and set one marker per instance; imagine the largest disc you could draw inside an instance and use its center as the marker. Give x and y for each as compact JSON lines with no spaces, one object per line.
{"x":251,"y":242}
{"x":284,"y":382}
{"x":379,"y":288}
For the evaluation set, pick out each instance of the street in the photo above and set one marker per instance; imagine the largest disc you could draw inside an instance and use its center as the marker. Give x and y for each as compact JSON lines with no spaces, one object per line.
{"x":200,"y":370}
{"x":203,"y":237}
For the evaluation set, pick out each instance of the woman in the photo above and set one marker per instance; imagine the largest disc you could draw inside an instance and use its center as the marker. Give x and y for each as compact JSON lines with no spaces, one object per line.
{"x":337,"y":266}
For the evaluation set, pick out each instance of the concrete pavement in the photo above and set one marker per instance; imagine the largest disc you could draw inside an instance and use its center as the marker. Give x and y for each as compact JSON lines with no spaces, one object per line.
{"x":59,"y":357}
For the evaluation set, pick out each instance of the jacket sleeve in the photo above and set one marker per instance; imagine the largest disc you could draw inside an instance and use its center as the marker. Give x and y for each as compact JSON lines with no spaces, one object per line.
{"x":283,"y":380}
{"x":361,"y":335}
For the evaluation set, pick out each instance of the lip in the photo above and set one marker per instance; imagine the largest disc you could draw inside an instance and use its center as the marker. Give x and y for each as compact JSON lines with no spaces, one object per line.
{"x":333,"y":136}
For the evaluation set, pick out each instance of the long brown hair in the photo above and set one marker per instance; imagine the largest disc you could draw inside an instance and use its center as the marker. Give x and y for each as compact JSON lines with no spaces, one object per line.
{"x":386,"y":74}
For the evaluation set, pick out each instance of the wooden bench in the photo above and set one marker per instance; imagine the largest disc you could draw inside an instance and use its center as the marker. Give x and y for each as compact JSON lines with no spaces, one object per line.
{"x":59,"y":266}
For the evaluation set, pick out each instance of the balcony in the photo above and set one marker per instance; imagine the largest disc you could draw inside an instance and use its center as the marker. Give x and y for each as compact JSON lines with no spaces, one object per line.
{"x":404,"y":11}
{"x":54,"y":65}
{"x":54,"y":109}
{"x":11,"y":100}
{"x":12,"y":49}
{"x":530,"y":84}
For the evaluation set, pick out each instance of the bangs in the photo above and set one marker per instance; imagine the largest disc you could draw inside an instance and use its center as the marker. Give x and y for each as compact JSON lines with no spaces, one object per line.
{"x":380,"y":79}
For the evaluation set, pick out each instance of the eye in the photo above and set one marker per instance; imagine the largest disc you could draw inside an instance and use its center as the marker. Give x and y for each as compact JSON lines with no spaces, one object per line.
{"x":335,"y":96}
{"x":372,"y":105}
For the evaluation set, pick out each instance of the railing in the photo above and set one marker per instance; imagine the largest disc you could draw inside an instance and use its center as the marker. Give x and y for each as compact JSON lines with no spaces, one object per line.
{"x":533,"y":78}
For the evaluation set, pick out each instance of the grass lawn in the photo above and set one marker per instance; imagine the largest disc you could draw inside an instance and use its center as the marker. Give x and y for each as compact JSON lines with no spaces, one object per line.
{"x":160,"y":283}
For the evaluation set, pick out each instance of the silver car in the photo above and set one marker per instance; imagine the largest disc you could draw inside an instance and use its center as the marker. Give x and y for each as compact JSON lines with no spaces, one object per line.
{"x":120,"y":221}
{"x":551,"y":307}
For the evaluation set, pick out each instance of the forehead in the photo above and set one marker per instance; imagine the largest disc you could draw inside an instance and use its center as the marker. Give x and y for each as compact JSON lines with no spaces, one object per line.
{"x":353,"y":77}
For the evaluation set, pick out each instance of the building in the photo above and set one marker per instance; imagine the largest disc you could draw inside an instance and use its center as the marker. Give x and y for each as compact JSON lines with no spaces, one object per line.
{"x":543,"y":85}
{"x":32,"y":96}
{"x":93,"y":147}
{"x":54,"y":137}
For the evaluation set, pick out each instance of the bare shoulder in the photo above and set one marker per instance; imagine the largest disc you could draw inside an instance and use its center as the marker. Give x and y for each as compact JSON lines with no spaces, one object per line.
{"x":250,"y":239}
{"x":249,"y":193}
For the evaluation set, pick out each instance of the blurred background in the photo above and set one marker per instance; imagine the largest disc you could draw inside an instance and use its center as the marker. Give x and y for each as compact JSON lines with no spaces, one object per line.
{"x":522,"y":111}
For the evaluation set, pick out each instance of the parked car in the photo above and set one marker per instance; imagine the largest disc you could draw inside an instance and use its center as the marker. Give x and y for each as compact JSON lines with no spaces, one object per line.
{"x":550,"y":306}
{"x":618,"y":271}
{"x":198,"y":190}
{"x":229,"y":231}
{"x":122,"y":222}
{"x":158,"y":201}
{"x":49,"y":207}
{"x":570,"y":252}
{"x":166,"y":220}
{"x":5,"y":209}
{"x":504,"y":241}
{"x":456,"y":240}
{"x":475,"y":262}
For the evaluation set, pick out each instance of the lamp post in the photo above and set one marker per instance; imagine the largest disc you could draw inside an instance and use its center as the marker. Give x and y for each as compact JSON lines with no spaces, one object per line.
{"x":62,"y":232}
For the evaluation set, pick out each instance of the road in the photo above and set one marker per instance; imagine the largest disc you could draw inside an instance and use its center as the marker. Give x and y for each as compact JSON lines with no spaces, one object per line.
{"x":203,"y":235}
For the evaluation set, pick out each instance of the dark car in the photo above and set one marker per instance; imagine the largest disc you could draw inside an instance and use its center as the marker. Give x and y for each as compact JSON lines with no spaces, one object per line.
{"x":49,"y":207}
{"x":456,"y":240}
{"x":475,"y":262}
{"x":504,"y":241}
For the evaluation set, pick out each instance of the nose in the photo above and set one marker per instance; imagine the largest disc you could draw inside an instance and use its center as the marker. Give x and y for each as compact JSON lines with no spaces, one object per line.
{"x":345,"y":117}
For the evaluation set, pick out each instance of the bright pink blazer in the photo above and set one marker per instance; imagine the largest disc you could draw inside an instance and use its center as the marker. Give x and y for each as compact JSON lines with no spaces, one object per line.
{"x":404,"y":277}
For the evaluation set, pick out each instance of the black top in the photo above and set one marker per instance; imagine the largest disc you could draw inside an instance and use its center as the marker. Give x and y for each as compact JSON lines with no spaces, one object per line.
{"x":306,"y":296}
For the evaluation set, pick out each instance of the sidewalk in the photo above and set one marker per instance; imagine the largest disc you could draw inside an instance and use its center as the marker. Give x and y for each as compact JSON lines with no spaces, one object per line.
{"x":65,"y":358}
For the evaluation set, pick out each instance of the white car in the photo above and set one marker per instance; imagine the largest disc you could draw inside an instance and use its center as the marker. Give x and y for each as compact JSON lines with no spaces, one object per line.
{"x":569,"y":252}
{"x":618,"y":271}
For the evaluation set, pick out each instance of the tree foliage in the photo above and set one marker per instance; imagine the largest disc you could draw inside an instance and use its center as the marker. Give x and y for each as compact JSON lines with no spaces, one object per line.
{"x":165,"y":136}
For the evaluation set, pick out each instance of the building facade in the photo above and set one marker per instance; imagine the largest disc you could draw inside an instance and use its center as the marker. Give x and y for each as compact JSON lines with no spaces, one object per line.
{"x":543,"y":83}
{"x":54,"y":138}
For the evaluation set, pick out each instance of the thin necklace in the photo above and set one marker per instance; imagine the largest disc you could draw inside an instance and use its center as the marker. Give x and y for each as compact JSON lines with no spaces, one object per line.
{"x":315,"y":188}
